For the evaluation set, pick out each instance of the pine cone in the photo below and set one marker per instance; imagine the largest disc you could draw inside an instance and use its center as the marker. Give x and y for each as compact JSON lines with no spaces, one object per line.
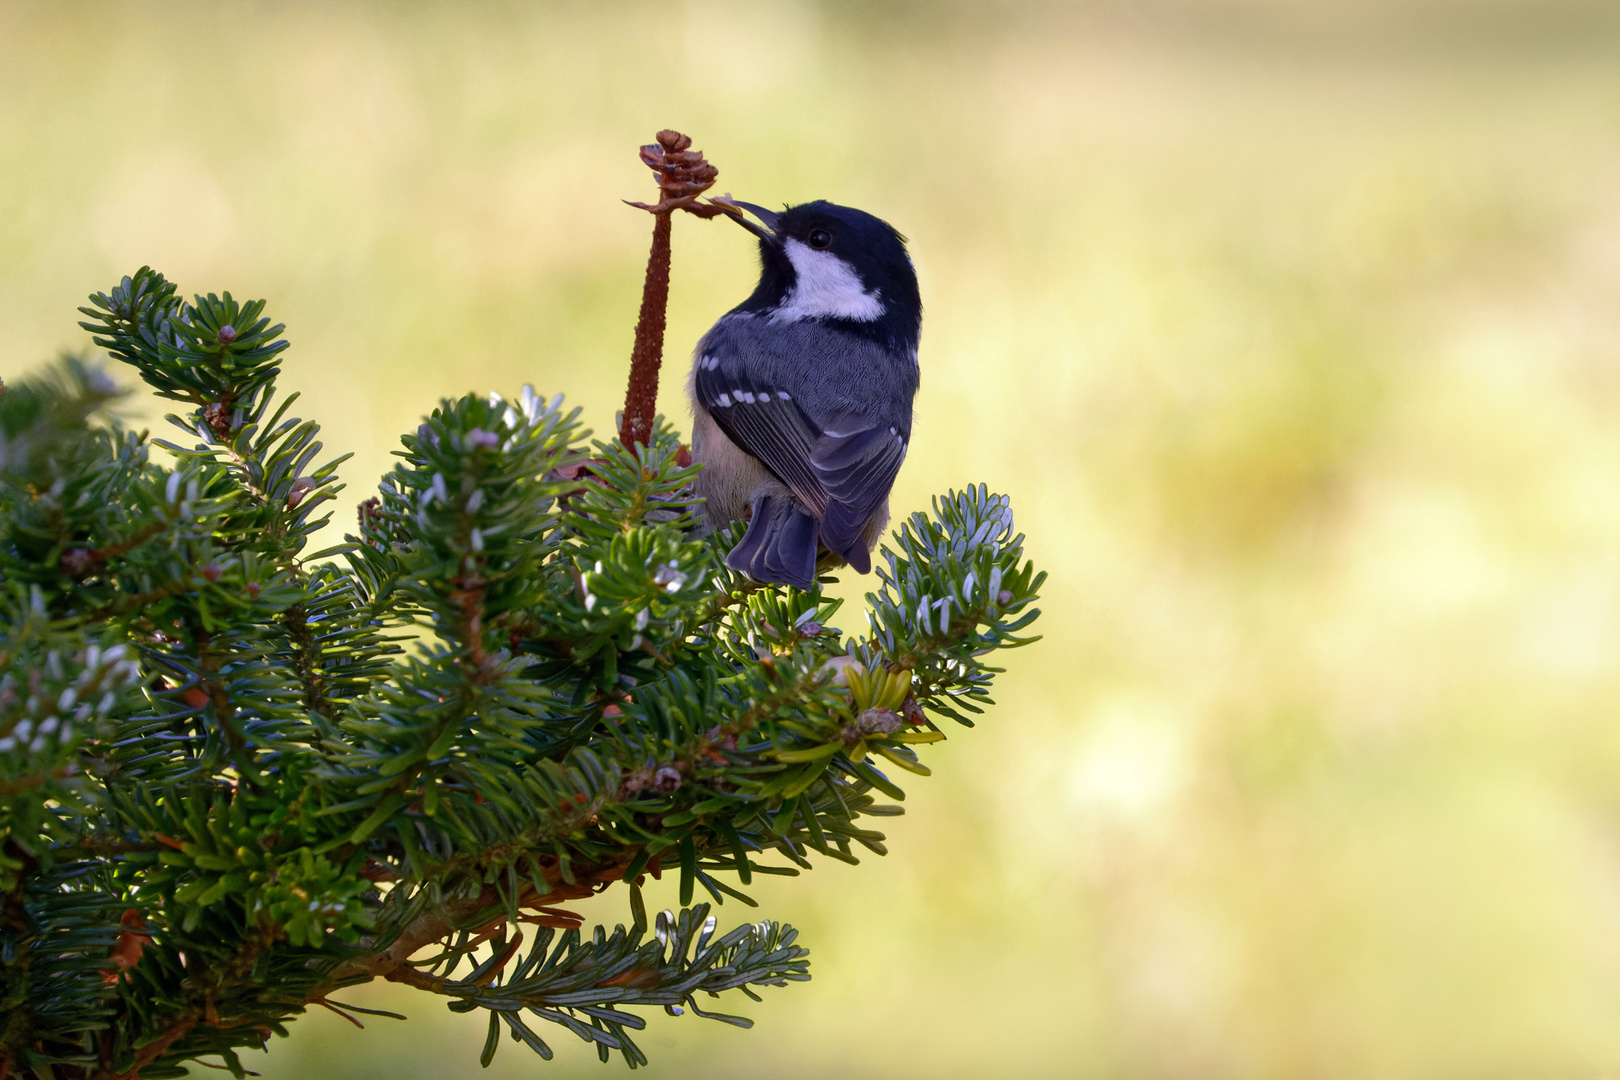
{"x":682,"y":174}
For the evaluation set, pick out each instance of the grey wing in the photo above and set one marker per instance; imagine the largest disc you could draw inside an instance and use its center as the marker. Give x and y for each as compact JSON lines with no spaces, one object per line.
{"x":857,"y":466}
{"x":764,"y":421}
{"x":838,"y":463}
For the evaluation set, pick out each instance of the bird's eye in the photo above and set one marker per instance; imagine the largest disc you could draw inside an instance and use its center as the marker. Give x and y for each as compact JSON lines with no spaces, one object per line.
{"x":820,"y":239}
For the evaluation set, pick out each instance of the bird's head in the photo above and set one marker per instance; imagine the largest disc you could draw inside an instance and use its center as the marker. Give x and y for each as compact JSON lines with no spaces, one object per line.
{"x":819,"y":260}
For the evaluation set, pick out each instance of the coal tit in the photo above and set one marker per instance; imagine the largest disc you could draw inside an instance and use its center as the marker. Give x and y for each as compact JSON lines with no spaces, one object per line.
{"x":801,"y":395}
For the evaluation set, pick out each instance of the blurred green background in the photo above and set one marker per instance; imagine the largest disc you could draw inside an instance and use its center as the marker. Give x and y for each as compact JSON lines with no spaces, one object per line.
{"x":1292,"y":328}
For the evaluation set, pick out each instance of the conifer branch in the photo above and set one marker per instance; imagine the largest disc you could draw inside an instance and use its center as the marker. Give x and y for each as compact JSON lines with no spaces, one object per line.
{"x":227,"y":791}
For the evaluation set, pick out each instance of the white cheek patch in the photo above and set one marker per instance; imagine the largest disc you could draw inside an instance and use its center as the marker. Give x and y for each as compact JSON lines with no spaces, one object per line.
{"x":825,"y":286}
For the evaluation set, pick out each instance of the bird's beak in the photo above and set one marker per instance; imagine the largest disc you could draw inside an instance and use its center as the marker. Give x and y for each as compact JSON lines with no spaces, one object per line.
{"x":768,"y":232}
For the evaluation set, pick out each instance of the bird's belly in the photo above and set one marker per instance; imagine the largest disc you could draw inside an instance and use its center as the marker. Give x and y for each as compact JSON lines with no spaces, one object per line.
{"x":730,"y":477}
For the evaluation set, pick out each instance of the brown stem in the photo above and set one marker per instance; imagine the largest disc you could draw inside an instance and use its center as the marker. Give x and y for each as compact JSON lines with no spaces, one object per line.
{"x":422,"y":980}
{"x":682,"y":175}
{"x":9,"y":788}
{"x":308,"y":652}
{"x":135,"y":540}
{"x":152,"y":1050}
{"x":641,"y":400}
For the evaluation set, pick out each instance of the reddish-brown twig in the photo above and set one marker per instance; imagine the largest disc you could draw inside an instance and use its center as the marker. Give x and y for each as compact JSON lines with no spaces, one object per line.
{"x":682,"y":176}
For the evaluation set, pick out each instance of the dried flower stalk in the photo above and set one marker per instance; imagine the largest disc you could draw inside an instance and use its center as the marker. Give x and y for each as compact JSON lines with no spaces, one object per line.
{"x":682,"y":175}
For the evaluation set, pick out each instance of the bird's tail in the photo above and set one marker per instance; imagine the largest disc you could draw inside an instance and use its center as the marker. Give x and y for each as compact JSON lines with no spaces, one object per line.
{"x":780,"y":544}
{"x":845,"y":536}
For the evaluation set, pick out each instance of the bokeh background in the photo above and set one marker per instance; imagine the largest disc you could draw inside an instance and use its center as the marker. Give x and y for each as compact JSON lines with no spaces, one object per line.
{"x":1292,"y":328}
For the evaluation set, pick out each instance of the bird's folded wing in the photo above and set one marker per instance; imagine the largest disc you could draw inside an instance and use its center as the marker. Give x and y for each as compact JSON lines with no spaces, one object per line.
{"x":764,"y":421}
{"x":840,"y":470}
{"x":856,"y":464}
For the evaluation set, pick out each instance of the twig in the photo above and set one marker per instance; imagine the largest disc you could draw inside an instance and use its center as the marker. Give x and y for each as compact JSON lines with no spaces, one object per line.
{"x":323,"y":1003}
{"x":156,"y":1048}
{"x":682,"y":176}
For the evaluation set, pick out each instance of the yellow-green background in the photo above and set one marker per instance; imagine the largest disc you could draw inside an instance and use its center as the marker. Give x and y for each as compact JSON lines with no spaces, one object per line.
{"x":1292,"y":328}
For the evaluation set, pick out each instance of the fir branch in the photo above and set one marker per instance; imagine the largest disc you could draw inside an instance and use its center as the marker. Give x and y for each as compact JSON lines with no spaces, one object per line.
{"x":226,"y":791}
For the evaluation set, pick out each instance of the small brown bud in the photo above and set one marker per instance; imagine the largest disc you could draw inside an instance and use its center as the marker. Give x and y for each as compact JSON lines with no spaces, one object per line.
{"x":300,"y":488}
{"x":913,"y":711}
{"x":721,"y":738}
{"x":227,"y":334}
{"x":213,"y":571}
{"x":218,"y":417}
{"x":672,"y":140}
{"x":634,"y":783}
{"x":667,"y":780}
{"x":79,"y":562}
{"x":877,"y":722}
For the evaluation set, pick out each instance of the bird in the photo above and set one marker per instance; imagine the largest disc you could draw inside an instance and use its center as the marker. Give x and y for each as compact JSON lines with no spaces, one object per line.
{"x":802,"y":394}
